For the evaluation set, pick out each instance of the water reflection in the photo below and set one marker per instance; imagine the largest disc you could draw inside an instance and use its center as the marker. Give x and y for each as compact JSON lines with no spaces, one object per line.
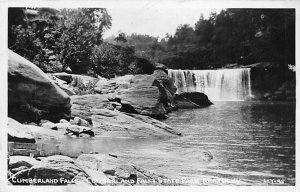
{"x":250,"y":142}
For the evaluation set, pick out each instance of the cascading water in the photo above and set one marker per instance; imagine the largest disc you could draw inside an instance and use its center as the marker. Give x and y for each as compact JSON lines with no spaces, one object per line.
{"x":218,"y":85}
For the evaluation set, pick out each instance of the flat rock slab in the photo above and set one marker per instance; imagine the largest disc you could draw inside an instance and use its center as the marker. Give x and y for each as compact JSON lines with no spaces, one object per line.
{"x":113,"y":123}
{"x":155,"y":123}
{"x":87,"y":169}
{"x":105,"y":168}
{"x":81,"y":105}
{"x":44,"y":133}
{"x":18,"y":132}
{"x":98,"y":162}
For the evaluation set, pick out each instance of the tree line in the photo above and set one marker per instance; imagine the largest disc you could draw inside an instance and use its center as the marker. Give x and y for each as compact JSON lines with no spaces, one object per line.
{"x":57,"y":39}
{"x":241,"y":36}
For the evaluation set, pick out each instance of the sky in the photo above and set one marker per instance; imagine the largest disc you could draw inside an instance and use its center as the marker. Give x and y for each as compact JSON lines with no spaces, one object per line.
{"x":152,"y":21}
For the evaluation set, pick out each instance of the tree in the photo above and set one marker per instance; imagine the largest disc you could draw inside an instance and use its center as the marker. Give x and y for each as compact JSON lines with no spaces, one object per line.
{"x":121,"y":38}
{"x":59,"y":37}
{"x":81,"y":30}
{"x":240,"y":36}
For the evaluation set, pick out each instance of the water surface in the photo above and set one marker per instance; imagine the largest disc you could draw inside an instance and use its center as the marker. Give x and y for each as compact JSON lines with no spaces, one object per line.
{"x":252,"y":143}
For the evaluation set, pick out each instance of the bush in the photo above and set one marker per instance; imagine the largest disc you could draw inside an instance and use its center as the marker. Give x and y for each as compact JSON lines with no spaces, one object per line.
{"x":112,"y":60}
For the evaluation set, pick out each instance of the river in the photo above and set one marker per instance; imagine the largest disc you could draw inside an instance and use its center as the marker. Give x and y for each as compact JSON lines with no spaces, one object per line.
{"x":252,"y":143}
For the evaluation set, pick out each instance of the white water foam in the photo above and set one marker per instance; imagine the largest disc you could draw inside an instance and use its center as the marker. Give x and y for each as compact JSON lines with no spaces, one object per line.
{"x":218,"y":85}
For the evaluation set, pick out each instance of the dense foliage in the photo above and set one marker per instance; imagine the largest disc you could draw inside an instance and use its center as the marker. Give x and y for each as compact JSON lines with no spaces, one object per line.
{"x":240,"y":36}
{"x":72,"y":38}
{"x":55,"y":39}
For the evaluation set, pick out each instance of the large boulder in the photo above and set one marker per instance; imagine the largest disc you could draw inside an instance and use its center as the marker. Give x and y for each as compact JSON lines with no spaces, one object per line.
{"x":18,"y":132}
{"x":184,"y":103}
{"x":60,"y":169}
{"x":150,"y":95}
{"x":88,"y":169}
{"x":144,"y":99}
{"x":79,"y":121}
{"x":198,"y":98}
{"x":32,"y":95}
{"x":113,"y":123}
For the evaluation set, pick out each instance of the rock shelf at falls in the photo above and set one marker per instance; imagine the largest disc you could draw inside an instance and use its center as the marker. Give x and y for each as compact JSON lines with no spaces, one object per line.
{"x":218,"y":85}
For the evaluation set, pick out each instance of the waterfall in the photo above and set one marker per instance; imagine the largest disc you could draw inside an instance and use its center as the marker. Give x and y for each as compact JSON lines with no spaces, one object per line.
{"x":218,"y":85}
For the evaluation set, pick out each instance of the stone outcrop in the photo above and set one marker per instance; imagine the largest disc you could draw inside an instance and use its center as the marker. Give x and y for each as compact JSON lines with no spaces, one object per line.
{"x":18,"y":132}
{"x":149,"y":95}
{"x":44,"y":133}
{"x":58,"y":130}
{"x":184,"y":103}
{"x":80,"y":122}
{"x":155,"y":123}
{"x":61,"y":168}
{"x":113,"y":123}
{"x":108,"y":169}
{"x":165,"y":80}
{"x":88,"y":169}
{"x":82,"y":104}
{"x":32,"y":95}
{"x":191,"y":100}
{"x":99,"y":112}
{"x":198,"y":98}
{"x":144,"y":99}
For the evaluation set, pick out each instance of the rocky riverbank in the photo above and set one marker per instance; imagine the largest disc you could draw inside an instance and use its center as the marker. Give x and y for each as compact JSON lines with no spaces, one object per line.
{"x":87,"y":169}
{"x":61,"y":105}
